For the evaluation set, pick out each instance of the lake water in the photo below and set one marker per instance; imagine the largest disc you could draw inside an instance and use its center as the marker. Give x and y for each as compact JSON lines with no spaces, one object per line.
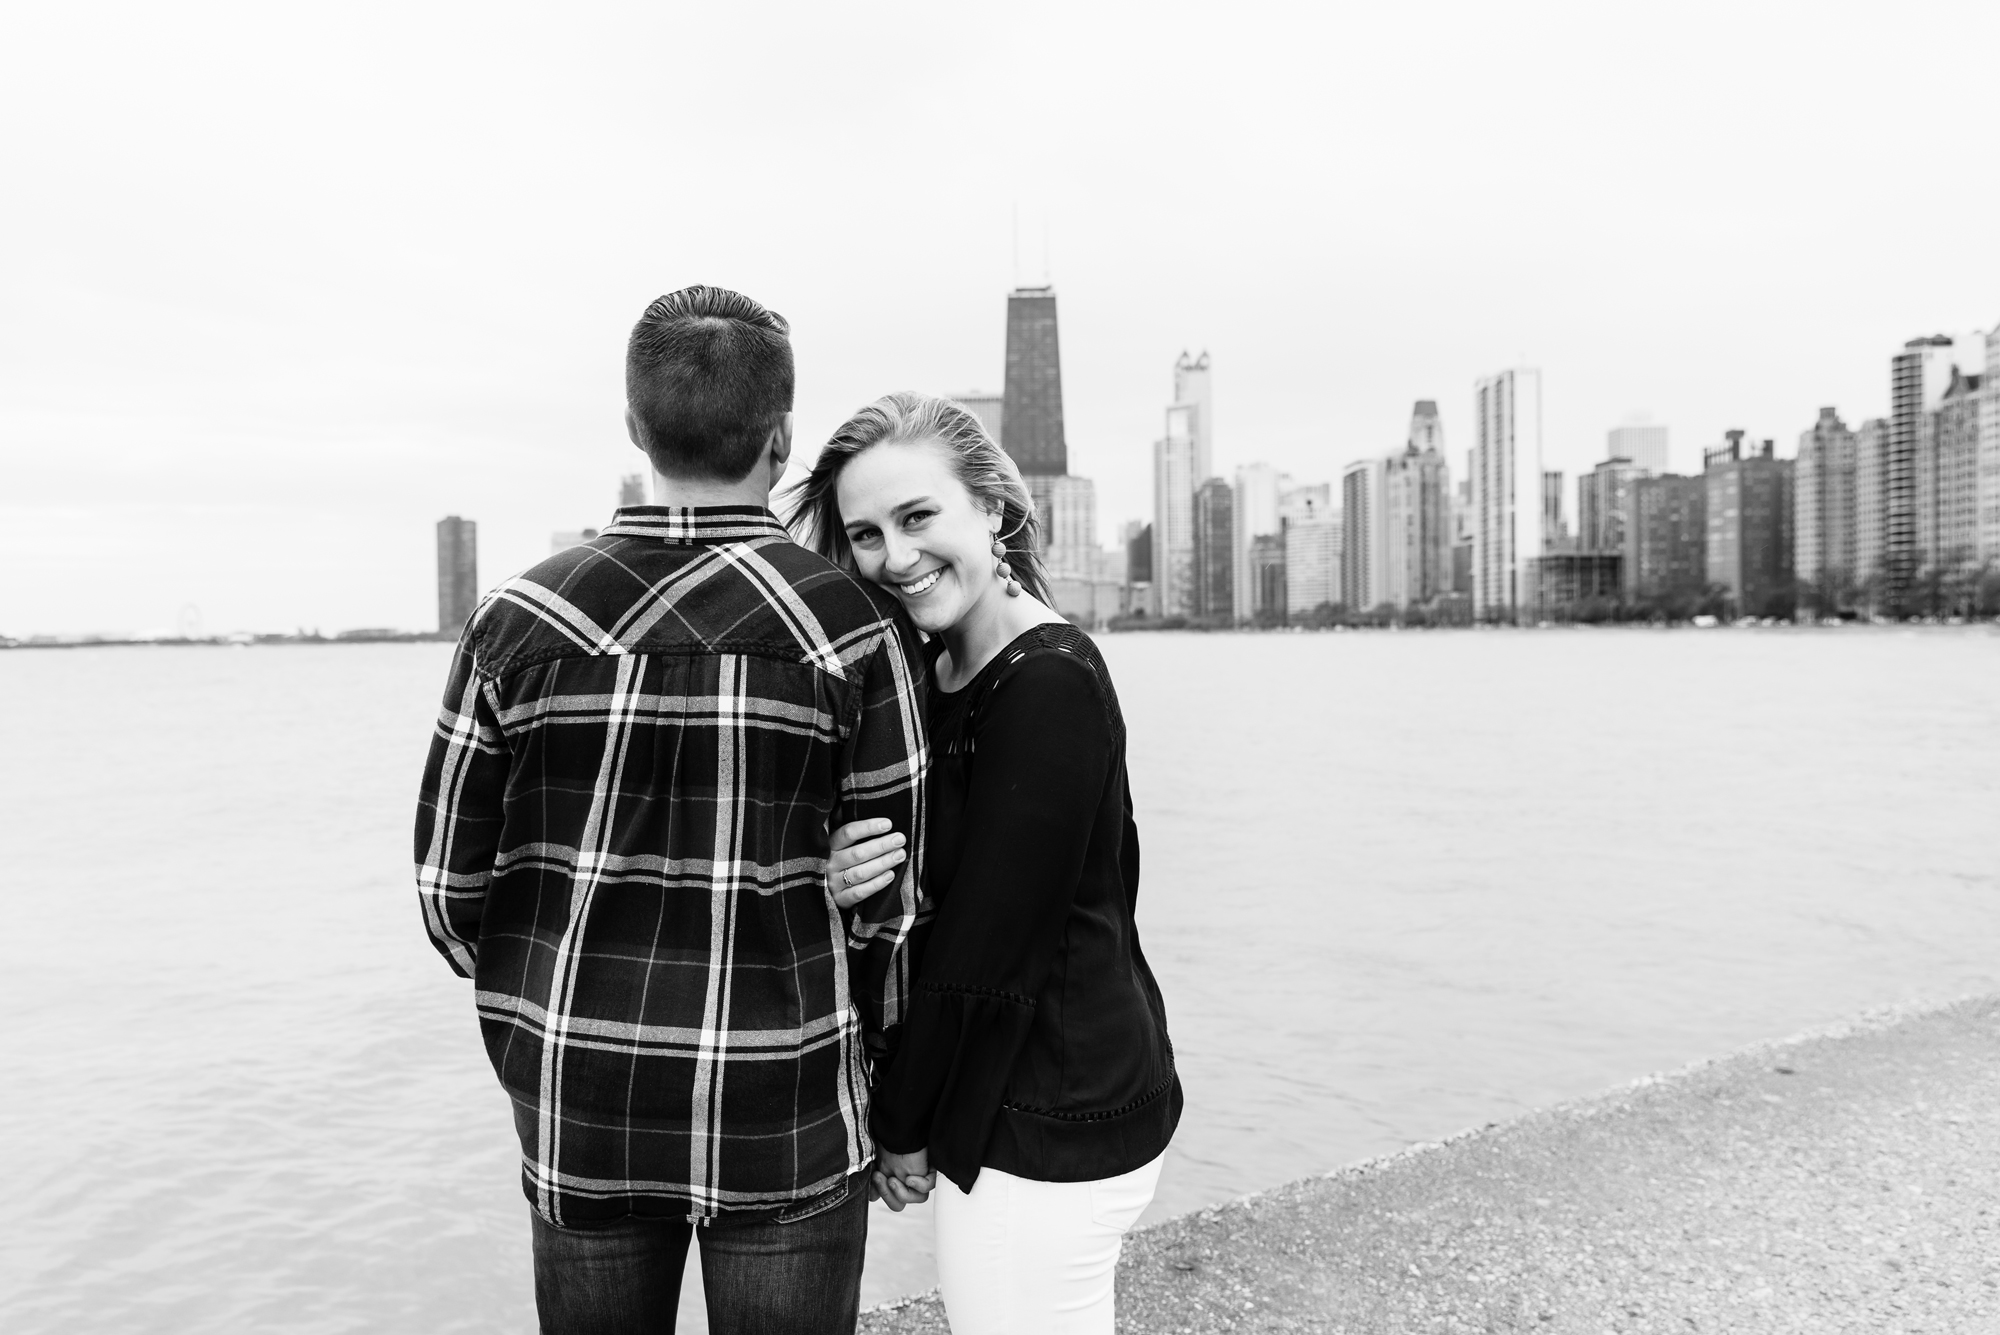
{"x":1395,"y":885}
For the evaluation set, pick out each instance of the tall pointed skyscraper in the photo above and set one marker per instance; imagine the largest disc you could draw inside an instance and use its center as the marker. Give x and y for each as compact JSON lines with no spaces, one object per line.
{"x":1031,"y":411}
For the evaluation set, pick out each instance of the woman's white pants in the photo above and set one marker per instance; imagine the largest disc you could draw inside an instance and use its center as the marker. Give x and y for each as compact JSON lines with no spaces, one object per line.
{"x":1017,"y":1257}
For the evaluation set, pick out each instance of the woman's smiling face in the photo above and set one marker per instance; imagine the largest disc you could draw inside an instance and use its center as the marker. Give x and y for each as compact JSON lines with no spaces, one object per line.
{"x":917,"y":532}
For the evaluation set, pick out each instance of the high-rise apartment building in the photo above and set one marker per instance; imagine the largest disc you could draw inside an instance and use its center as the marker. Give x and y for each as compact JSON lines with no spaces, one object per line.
{"x":1948,"y":482}
{"x":457,"y":572}
{"x":1645,"y":446}
{"x":1214,"y":583}
{"x":1823,"y":516}
{"x":1988,"y":483}
{"x":632,"y":490}
{"x":1510,"y":519}
{"x":1417,"y":514}
{"x":1031,"y":413}
{"x":1174,"y":482}
{"x":1312,"y":535}
{"x":1461,"y":533}
{"x":1604,"y":505}
{"x":1871,"y":449}
{"x":1256,"y":493}
{"x":987,"y":407}
{"x":1749,"y":545}
{"x":1364,"y":535}
{"x":1267,"y":578}
{"x":1670,"y":539}
{"x":1919,"y":375}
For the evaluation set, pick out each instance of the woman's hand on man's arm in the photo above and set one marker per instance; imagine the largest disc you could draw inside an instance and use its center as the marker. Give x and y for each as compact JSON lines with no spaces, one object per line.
{"x":865,"y":859}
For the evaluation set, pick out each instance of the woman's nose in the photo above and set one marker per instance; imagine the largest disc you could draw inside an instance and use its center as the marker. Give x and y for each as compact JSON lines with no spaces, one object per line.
{"x":898,"y":553}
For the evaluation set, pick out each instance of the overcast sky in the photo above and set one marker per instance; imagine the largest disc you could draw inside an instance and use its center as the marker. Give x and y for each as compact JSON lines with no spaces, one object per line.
{"x":284,"y":284}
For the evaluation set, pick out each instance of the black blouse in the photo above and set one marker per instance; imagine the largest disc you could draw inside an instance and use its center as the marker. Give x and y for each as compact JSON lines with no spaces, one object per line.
{"x":1036,"y":1040}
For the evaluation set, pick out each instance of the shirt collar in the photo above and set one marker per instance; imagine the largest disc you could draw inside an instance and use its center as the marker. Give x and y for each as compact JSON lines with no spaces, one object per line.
{"x":693,"y":525}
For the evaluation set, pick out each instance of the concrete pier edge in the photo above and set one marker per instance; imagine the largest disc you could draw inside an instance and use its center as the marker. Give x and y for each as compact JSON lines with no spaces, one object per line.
{"x":923,"y":1311}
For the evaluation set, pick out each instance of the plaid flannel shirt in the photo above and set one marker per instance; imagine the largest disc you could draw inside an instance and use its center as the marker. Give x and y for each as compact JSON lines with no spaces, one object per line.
{"x":622,"y":838}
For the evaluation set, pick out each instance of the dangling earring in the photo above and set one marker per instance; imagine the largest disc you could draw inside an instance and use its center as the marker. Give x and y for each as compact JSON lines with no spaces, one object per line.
{"x":1005,"y":571}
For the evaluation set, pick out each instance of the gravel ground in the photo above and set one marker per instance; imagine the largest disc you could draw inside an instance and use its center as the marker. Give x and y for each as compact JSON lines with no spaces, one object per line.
{"x":1843,"y":1181}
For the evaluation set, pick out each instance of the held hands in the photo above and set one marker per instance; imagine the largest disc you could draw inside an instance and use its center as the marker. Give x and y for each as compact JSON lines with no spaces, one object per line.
{"x":901,"y":1179}
{"x":866,"y":855}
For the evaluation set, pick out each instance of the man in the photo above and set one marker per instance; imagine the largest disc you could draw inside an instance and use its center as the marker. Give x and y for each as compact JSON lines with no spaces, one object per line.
{"x":622,"y":840}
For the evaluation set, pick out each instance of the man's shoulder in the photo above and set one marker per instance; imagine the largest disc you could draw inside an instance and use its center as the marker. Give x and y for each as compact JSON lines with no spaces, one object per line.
{"x":841,"y":594}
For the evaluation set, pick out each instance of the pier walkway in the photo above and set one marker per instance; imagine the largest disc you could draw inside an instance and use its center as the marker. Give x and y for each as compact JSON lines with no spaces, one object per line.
{"x":1842,"y":1181}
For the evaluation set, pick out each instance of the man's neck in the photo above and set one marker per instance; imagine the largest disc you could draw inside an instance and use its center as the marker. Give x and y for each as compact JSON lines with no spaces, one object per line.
{"x":753,"y":491}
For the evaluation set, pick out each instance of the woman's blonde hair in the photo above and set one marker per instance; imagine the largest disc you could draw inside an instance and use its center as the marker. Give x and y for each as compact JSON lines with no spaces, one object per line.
{"x":976,"y":460}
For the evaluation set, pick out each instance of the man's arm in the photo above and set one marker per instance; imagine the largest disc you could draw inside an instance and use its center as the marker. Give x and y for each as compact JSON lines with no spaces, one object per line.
{"x":882,"y":775}
{"x":459,"y":813}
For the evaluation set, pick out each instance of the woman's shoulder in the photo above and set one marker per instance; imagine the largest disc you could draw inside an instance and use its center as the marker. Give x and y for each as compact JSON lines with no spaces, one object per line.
{"x":1055,"y":659}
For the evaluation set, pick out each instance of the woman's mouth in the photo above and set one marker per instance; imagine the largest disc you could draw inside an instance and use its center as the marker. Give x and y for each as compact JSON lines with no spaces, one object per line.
{"x":917,"y":587}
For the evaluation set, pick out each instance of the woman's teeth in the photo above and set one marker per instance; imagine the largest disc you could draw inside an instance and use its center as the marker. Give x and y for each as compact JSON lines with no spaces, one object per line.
{"x":917,"y":586}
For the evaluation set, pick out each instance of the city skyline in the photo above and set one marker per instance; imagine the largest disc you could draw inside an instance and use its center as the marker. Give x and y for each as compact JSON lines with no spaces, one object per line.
{"x":262,"y":332}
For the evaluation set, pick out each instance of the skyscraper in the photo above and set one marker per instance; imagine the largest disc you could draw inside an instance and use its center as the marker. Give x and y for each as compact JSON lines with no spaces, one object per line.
{"x":1193,"y":389}
{"x":1604,"y":506}
{"x":457,"y":572}
{"x":1312,"y":536}
{"x":1988,"y":484}
{"x":1256,"y":516}
{"x":1214,"y":591}
{"x":1509,"y":520}
{"x":1364,"y":536}
{"x":1645,"y":446}
{"x":1823,"y":516}
{"x":1670,"y":519}
{"x":1749,"y":546}
{"x":1066,"y":506}
{"x":632,"y":489}
{"x":1031,"y":411}
{"x":1948,"y":483}
{"x":1174,"y":482}
{"x":1918,"y":378}
{"x":1416,"y":513}
{"x":1871,"y":448}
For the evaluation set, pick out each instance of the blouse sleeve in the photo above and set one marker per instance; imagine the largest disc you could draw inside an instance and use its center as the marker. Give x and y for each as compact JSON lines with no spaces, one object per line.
{"x":1041,"y":753}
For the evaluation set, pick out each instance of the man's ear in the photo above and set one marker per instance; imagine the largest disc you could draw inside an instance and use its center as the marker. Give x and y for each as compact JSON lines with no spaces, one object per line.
{"x":780,"y":444}
{"x":632,"y":429}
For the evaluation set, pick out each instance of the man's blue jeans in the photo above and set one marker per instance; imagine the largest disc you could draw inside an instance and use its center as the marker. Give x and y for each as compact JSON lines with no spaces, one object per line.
{"x":798,"y":1278}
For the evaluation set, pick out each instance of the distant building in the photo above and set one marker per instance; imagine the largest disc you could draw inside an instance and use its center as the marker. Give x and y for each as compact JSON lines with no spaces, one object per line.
{"x":1194,"y":390}
{"x":1871,"y":467}
{"x":1066,"y":507}
{"x":1823,"y":522}
{"x":1645,"y":446}
{"x":1313,"y":539}
{"x":1749,"y":546}
{"x":1670,"y":539}
{"x":1364,"y":536}
{"x":1267,"y":578}
{"x":632,"y":490}
{"x":1948,"y":484}
{"x":1417,"y":514}
{"x":457,"y":572}
{"x":1509,"y":522}
{"x":1919,"y":375}
{"x":1214,"y":591}
{"x":1988,"y":483}
{"x":987,"y":407}
{"x":1604,"y":505}
{"x":1256,"y":493}
{"x":1174,"y":482}
{"x":1555,"y":518}
{"x":1031,"y":415}
{"x":1461,"y":533}
{"x":1139,"y":569}
{"x":562,"y":542}
{"x":1563,"y":580}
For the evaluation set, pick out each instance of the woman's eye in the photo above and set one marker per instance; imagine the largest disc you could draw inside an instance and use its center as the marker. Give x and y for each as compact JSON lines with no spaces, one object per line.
{"x":918,"y":518}
{"x":867,"y":537}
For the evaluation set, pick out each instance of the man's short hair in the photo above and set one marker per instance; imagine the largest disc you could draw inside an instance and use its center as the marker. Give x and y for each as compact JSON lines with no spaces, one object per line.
{"x":708,"y":377}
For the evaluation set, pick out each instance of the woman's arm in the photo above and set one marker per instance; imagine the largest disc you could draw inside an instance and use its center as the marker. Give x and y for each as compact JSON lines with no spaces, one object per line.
{"x":1041,"y":757}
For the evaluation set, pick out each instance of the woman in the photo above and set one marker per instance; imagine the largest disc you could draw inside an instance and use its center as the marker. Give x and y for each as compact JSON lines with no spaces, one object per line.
{"x":1034,"y":1072}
